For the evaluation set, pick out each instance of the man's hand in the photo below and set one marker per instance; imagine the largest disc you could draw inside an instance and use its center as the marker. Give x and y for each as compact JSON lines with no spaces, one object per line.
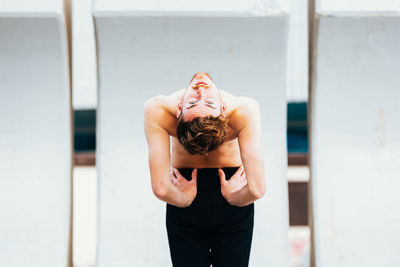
{"x":188,"y":188}
{"x":235,"y":183}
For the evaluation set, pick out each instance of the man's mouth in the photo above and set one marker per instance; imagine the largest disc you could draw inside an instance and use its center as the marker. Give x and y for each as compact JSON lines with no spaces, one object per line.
{"x":201,"y":83}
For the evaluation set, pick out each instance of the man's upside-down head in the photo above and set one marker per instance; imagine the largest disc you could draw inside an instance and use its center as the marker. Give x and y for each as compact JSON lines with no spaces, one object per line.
{"x":202,"y":121}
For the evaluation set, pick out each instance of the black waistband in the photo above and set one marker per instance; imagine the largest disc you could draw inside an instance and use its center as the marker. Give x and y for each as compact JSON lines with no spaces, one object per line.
{"x":208,"y":172}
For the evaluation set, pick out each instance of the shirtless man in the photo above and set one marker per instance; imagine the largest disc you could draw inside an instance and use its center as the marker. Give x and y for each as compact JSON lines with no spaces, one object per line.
{"x":213,"y":175}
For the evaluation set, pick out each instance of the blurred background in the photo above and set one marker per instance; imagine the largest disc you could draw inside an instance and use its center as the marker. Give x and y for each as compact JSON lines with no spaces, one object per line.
{"x":74,"y":75}
{"x":85,"y":103}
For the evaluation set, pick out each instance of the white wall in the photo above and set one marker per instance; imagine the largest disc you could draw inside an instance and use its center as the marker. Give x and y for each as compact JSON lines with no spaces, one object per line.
{"x":30,"y":7}
{"x":85,"y":216}
{"x":83,"y":56}
{"x":35,"y":139}
{"x":297,"y":52}
{"x":142,"y":54}
{"x":357,"y":5}
{"x":255,"y":7}
{"x":355,"y":146}
{"x":84,"y":62}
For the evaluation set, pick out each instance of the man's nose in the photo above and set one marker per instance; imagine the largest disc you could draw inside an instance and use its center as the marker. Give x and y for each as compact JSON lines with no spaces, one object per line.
{"x":200,"y":91}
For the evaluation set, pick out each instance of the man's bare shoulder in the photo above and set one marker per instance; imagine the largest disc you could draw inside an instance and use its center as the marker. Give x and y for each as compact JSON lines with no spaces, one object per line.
{"x":154,"y":105}
{"x":246,"y":109}
{"x":247,"y":101}
{"x":245,"y":106}
{"x":163,"y":103}
{"x":237,"y":102}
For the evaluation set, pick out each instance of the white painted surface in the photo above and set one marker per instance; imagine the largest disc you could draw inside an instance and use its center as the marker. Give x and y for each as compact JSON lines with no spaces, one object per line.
{"x":299,"y":239}
{"x":357,"y":5}
{"x":84,"y":62}
{"x":297,"y":52}
{"x":255,"y":7}
{"x":30,"y":6}
{"x":139,"y":57}
{"x":355,"y":146}
{"x":298,"y":173}
{"x":35,"y":141}
{"x":83,"y":56}
{"x":85,"y":216}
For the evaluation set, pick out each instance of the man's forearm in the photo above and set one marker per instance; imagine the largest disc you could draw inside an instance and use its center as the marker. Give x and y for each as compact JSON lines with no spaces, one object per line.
{"x":242,"y":198}
{"x":173,"y":196}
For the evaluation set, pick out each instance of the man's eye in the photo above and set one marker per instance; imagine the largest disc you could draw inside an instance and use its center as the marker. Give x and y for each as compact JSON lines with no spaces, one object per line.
{"x":192,"y":102}
{"x":210,"y":102}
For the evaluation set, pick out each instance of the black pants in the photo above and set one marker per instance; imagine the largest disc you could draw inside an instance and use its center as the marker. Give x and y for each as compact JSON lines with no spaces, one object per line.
{"x":210,"y":230}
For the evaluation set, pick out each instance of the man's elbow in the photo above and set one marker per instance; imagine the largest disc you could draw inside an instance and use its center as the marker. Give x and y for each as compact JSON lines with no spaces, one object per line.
{"x":258,"y":191}
{"x":159,"y":190}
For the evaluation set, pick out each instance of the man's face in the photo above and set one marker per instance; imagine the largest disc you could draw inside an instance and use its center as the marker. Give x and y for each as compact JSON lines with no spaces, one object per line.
{"x":202,"y":98}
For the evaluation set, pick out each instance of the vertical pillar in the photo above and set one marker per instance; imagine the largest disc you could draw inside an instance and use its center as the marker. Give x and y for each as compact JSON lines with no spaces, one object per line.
{"x":355,"y":149}
{"x":35,"y":135}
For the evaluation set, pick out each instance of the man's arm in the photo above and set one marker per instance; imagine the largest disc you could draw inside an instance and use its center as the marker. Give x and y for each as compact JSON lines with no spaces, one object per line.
{"x":159,"y":154}
{"x":249,"y":138}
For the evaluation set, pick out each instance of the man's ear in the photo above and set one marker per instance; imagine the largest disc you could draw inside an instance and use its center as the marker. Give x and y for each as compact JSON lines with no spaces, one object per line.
{"x":179,"y":110}
{"x":223,"y":109}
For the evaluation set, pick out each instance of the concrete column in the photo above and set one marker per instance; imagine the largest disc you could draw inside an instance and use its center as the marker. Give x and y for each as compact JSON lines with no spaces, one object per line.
{"x":35,"y":135}
{"x":153,"y":48}
{"x":355,"y":129}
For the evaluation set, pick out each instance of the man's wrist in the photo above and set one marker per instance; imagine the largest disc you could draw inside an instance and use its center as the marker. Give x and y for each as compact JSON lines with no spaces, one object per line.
{"x":182,"y":198}
{"x":183,"y":202}
{"x":240,"y":198}
{"x":229,"y":198}
{"x":188,"y":203}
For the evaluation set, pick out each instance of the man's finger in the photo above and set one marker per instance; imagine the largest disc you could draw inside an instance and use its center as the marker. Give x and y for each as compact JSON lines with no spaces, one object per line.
{"x":182,"y":180}
{"x":174,"y":180}
{"x":194,"y":176}
{"x":177,"y":173}
{"x":242,"y":169}
{"x":221,"y":176}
